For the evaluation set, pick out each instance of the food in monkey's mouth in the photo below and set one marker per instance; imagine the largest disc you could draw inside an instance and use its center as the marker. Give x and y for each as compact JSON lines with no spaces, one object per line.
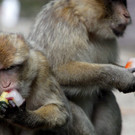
{"x":12,"y":95}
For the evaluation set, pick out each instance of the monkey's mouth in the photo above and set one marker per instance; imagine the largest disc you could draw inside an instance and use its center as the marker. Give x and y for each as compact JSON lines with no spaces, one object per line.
{"x":119,"y":30}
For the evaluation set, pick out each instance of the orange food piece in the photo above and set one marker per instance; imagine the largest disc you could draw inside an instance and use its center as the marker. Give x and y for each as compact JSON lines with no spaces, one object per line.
{"x":129,"y":64}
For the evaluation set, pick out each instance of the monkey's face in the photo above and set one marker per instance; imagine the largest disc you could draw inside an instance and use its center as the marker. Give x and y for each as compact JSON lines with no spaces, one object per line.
{"x":120,"y":18}
{"x":111,"y":17}
{"x":13,"y":55}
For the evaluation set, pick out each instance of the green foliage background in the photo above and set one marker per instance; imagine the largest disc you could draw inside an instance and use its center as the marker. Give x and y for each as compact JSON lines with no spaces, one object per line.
{"x":30,"y":8}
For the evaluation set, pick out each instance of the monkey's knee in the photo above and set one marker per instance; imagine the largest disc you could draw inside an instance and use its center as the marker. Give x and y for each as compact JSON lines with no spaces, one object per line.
{"x":61,"y":119}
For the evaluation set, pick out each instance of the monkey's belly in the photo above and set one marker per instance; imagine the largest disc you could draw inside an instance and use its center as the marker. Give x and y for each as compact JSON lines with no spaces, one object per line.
{"x":86,"y":103}
{"x":86,"y":100}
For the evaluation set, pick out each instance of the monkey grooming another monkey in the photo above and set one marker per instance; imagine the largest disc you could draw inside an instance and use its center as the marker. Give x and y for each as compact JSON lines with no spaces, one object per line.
{"x":78,"y":37}
{"x":27,"y":71}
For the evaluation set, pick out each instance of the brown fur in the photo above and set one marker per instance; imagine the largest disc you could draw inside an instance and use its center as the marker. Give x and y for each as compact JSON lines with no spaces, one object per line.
{"x":72,"y":69}
{"x":6,"y":52}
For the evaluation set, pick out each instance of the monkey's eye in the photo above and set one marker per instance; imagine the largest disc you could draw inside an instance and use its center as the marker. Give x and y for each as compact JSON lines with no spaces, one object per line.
{"x":13,"y":67}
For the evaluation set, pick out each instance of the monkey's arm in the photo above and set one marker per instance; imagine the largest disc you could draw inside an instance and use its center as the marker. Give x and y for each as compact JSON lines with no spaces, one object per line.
{"x":47,"y":117}
{"x":105,"y":76}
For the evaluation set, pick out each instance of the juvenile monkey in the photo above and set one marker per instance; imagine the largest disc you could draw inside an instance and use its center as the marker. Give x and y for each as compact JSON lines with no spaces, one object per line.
{"x":27,"y":71}
{"x":78,"y":37}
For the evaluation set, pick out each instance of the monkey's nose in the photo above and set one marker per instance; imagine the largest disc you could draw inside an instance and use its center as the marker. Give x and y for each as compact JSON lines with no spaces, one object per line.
{"x":126,"y":14}
{"x":127,"y":18}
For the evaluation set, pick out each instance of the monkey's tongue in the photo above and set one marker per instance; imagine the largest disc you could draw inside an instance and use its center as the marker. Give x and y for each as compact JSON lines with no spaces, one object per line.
{"x":16,"y":96}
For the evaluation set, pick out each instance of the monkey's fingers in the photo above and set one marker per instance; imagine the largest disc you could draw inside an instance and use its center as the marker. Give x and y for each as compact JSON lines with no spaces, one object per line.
{"x":130,"y":89}
{"x":12,"y":104}
{"x":4,"y":107}
{"x":4,"y":104}
{"x":13,"y":107}
{"x":2,"y":112}
{"x":131,"y":70}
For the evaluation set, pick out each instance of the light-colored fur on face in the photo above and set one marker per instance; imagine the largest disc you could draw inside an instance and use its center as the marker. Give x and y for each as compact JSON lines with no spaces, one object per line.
{"x":15,"y":51}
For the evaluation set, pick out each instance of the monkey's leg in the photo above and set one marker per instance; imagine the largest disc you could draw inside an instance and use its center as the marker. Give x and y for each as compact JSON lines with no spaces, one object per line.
{"x":107,"y":116}
{"x":81,"y":124}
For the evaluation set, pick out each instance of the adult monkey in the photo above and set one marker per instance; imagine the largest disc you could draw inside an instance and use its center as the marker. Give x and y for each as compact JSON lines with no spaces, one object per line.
{"x":78,"y":37}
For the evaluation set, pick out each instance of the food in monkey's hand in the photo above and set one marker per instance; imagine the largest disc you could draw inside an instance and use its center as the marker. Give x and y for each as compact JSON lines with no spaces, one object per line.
{"x":12,"y":95}
{"x":3,"y":99}
{"x":130,"y":63}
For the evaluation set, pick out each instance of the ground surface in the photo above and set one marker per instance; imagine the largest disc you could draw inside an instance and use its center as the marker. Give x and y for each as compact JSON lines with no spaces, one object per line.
{"x":127,"y":50}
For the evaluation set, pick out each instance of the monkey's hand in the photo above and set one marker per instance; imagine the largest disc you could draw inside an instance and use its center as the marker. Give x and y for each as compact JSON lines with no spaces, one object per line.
{"x":120,"y":78}
{"x":42,"y":117}
{"x":131,"y":85}
{"x":8,"y":111}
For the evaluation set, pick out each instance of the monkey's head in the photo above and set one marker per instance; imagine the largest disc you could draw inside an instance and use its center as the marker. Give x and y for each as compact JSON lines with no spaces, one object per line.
{"x":14,"y":57}
{"x":107,"y":18}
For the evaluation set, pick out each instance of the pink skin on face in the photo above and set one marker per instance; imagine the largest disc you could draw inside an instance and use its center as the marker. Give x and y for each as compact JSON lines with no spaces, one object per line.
{"x":8,"y":81}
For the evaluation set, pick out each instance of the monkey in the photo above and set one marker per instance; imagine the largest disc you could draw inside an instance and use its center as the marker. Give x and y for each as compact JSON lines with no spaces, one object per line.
{"x":46,"y":109}
{"x":79,"y":39}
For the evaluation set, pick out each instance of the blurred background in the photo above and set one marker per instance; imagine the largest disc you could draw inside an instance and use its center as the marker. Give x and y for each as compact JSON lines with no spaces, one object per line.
{"x":19,"y":15}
